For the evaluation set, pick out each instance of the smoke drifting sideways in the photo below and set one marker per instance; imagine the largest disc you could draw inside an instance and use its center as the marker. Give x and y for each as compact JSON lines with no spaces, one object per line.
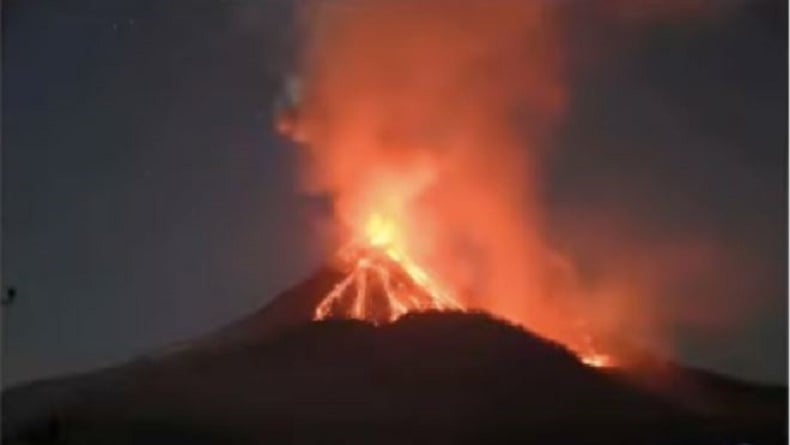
{"x":436,"y":116}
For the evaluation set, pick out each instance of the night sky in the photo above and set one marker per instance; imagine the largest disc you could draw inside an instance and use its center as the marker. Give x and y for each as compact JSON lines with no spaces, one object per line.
{"x":147,"y":200}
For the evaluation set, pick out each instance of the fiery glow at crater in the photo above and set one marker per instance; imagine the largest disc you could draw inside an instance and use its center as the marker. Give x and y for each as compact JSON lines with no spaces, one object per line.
{"x":382,"y":283}
{"x":597,"y":360}
{"x":426,"y":126}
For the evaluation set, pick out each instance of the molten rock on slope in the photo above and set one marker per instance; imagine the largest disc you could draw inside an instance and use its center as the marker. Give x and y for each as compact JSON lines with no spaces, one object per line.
{"x":381,"y":286}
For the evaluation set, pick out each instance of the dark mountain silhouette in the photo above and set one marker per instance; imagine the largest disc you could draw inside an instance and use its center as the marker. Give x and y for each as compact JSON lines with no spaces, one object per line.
{"x":277,"y":377}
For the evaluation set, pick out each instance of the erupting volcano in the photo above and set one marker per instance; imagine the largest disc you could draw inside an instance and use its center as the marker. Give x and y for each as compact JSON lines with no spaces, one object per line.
{"x":382,"y":282}
{"x":429,"y":128}
{"x":431,"y":161}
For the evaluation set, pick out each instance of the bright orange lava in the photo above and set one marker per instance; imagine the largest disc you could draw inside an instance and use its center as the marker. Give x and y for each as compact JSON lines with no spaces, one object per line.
{"x":382,"y":283}
{"x":597,"y":360}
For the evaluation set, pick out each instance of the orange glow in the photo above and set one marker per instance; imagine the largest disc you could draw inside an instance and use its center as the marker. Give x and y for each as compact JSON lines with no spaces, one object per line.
{"x":423,"y":122}
{"x":597,"y":360}
{"x":379,"y":260}
{"x":426,"y":124}
{"x":380,"y":232}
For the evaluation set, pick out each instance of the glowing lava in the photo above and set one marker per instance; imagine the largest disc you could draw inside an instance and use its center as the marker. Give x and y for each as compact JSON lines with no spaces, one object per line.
{"x":597,"y":360}
{"x":382,"y":282}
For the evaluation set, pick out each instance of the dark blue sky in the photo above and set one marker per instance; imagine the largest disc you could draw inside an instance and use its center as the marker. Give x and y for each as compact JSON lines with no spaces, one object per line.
{"x":146,"y":199}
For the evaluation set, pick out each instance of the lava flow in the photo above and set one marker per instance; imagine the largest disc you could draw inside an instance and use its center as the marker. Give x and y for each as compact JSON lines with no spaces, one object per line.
{"x":382,"y":282}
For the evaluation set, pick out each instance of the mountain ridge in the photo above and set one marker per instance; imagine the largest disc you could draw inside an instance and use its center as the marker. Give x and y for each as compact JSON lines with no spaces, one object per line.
{"x":433,"y":377}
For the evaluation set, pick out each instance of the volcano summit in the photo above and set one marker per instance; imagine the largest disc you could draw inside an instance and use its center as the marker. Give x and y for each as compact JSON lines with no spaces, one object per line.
{"x":380,"y":286}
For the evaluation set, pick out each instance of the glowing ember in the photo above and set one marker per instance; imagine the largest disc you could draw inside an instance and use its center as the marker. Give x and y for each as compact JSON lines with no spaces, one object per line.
{"x":597,"y":360}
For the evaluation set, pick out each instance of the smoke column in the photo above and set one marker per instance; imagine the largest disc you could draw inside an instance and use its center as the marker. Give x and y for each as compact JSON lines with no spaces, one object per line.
{"x":435,"y":114}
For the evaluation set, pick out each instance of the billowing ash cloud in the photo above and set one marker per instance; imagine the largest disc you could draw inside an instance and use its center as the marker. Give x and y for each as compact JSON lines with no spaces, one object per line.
{"x":435,"y":114}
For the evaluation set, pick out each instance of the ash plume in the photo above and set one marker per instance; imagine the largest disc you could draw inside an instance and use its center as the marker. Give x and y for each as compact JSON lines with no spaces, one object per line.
{"x":437,"y":115}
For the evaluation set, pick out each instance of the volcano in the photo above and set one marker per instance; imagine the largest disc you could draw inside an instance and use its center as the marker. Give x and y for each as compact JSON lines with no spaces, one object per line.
{"x":380,"y":285}
{"x":431,"y":376}
{"x":367,"y":281}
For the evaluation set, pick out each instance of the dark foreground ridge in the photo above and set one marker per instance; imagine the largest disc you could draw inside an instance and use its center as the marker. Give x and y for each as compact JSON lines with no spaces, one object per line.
{"x":434,"y":378}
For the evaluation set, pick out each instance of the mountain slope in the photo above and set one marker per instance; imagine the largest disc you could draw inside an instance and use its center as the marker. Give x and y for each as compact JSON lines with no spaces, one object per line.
{"x":427,"y":378}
